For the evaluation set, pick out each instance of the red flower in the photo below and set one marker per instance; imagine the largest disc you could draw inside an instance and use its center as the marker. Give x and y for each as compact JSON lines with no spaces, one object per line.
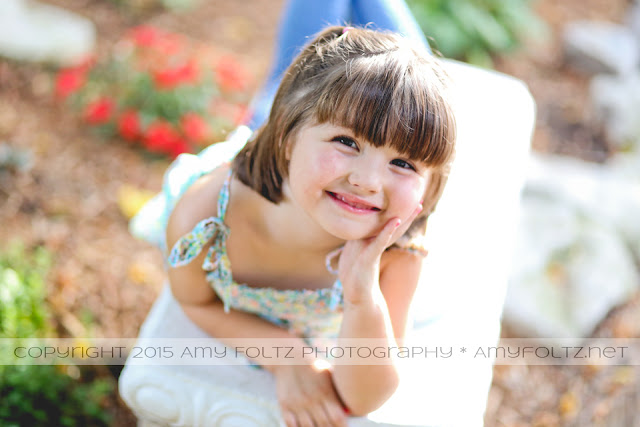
{"x":145,"y":36}
{"x":180,"y":146}
{"x":172,"y":77}
{"x":68,"y":81}
{"x":170,"y":44}
{"x":231,"y":75}
{"x":194,"y":127}
{"x":161,"y":137}
{"x":129,"y":125}
{"x":99,"y":111}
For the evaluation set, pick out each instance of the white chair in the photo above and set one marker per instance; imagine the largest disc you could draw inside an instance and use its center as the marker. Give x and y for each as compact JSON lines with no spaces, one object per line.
{"x":459,"y":299}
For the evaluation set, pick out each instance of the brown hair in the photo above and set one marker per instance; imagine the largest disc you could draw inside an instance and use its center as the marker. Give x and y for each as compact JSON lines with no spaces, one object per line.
{"x":381,"y":86}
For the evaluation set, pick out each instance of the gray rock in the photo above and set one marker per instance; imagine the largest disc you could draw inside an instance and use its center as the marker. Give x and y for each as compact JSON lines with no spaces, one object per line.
{"x":616,"y":100}
{"x":633,"y":19}
{"x":610,"y":193}
{"x":30,"y":31}
{"x":601,"y":47}
{"x":572,"y":262}
{"x":627,"y":168}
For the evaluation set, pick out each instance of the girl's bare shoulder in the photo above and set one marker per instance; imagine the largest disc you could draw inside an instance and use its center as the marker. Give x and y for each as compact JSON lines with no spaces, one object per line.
{"x":395,"y":256}
{"x":398,"y":266}
{"x":200,"y":201}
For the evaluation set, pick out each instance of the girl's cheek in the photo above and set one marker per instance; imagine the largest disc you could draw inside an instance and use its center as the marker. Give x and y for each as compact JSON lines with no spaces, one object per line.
{"x":409,"y":197}
{"x":319,"y":172}
{"x":327,"y":165}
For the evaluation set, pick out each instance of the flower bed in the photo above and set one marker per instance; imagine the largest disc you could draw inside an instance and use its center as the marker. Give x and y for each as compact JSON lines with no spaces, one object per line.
{"x":160,"y":90}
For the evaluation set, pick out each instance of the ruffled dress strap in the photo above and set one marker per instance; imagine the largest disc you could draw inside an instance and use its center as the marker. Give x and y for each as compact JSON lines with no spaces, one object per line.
{"x":191,"y":244}
{"x":212,"y":229}
{"x":214,"y":232}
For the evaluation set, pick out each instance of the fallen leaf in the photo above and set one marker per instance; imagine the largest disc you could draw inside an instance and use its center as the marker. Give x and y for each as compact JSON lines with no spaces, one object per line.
{"x":624,"y":375}
{"x":140,"y":273}
{"x":131,"y":199}
{"x":569,"y":404}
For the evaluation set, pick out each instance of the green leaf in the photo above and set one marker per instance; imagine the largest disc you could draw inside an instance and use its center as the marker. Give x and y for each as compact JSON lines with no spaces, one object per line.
{"x":474,"y":29}
{"x":479,"y":57}
{"x":521,"y":22}
{"x":481,"y":24}
{"x":453,"y":41}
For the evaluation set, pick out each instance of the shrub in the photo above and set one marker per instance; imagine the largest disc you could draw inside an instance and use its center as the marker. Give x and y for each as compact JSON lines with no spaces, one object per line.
{"x":139,"y":6}
{"x":472,"y":30}
{"x":43,"y":395}
{"x":23,"y":311}
{"x":38,"y":395}
{"x":161,"y":90}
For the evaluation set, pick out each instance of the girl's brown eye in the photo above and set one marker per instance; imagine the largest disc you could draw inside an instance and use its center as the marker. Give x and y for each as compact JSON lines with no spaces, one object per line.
{"x":345,"y":140}
{"x":403,"y":164}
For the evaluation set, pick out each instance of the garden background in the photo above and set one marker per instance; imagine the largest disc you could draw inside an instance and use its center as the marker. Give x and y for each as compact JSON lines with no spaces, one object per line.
{"x":68,"y":186}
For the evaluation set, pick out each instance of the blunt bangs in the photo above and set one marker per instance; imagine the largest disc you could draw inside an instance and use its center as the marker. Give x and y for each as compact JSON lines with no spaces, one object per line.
{"x":391,"y":99}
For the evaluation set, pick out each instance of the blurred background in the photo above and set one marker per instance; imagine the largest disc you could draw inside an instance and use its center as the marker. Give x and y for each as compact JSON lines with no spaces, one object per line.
{"x":97,"y":97}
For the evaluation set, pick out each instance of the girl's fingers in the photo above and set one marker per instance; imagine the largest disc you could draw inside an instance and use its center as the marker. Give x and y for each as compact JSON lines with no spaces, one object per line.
{"x":366,"y":252}
{"x":406,"y":223}
{"x":415,"y":213}
{"x":335,"y":414}
{"x":382,"y":240}
{"x":319,"y":416}
{"x":289,"y":419}
{"x":304,"y":419}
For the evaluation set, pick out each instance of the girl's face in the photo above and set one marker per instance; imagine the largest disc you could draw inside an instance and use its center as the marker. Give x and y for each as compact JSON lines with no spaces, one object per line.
{"x":348,"y":186}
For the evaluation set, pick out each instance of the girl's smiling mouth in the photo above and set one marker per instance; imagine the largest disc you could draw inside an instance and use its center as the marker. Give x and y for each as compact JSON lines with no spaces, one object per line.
{"x":352,"y":204}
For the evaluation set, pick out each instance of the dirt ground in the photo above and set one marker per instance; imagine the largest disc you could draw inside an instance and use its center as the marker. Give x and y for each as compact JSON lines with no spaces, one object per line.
{"x":104,"y":281}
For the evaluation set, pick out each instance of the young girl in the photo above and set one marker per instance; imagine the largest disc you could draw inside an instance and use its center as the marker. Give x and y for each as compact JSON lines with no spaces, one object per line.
{"x":314,"y":229}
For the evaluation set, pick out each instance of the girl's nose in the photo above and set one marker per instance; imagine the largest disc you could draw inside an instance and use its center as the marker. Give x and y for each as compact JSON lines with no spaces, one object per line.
{"x":367,"y":180}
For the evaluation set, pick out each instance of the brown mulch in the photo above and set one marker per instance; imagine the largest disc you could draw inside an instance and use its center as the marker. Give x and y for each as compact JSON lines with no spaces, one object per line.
{"x":104,"y":281}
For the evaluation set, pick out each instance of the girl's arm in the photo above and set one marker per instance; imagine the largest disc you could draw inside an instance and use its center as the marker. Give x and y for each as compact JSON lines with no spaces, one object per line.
{"x":378,"y":289}
{"x":306,"y":394}
{"x":196,"y":296}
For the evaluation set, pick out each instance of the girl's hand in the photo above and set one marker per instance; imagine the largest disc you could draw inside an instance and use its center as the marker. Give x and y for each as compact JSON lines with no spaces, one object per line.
{"x":359,"y":264}
{"x":307,"y":397}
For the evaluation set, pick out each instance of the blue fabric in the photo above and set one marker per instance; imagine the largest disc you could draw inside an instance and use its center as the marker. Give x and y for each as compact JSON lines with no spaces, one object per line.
{"x":302,"y":19}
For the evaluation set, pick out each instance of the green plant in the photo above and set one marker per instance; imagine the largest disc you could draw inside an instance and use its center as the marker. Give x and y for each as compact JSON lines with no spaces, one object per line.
{"x":39,"y":395}
{"x":472,"y":30}
{"x":138,"y":6}
{"x":23,"y":309}
{"x":44,"y":395}
{"x":160,"y":90}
